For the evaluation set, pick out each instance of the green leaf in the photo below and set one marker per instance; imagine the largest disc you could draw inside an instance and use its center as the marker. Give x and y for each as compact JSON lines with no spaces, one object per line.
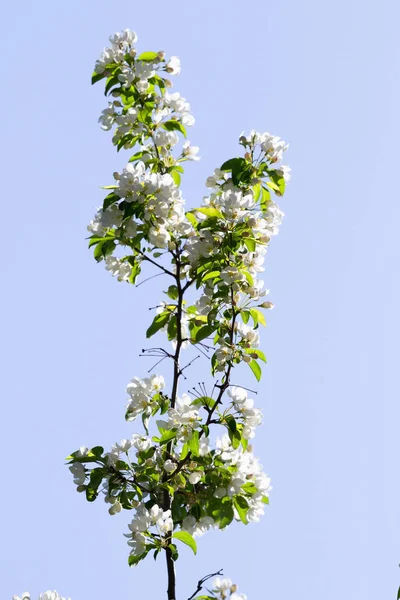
{"x":250,"y":244}
{"x":104,"y":249}
{"x":111,"y":81}
{"x":194,"y":444}
{"x":192,"y":219}
{"x":265,"y":499}
{"x":242,"y":507}
{"x":258,"y":316}
{"x":265,"y":199}
{"x":249,"y":488}
{"x":211,"y":275}
{"x":255,"y":367}
{"x":174,"y":126}
{"x":172,"y":292}
{"x":97,"y":77}
{"x":210,"y":211}
{"x":233,"y":163}
{"x":249,"y":278}
{"x":185,"y":451}
{"x":158,"y":323}
{"x":133,"y":560}
{"x":136,"y":268}
{"x":136,"y":156}
{"x":148,"y":56}
{"x":167,"y":436}
{"x":258,"y":353}
{"x":203,"y":333}
{"x":226,"y":513}
{"x":278,"y":180}
{"x":110,"y":199}
{"x":257,"y":191}
{"x":176,"y":177}
{"x":186,"y":538}
{"x":172,"y":328}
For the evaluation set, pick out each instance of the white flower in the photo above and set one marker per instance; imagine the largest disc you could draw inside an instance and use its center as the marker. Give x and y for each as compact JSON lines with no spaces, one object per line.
{"x":173,"y":65}
{"x":78,"y":472}
{"x":231,"y":275}
{"x":51,"y":596}
{"x":184,"y":413}
{"x":204,"y":448}
{"x":222,"y":584}
{"x":159,"y":236}
{"x":141,"y":442}
{"x":115,"y":508}
{"x":24,"y":596}
{"x":165,"y":138}
{"x":190,"y":152}
{"x":169,"y":466}
{"x":118,"y":268}
{"x":285,"y":171}
{"x":195,"y":477}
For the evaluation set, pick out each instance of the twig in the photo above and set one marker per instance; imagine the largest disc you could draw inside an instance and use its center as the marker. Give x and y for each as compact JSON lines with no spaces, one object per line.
{"x":148,"y":279}
{"x":202,"y":581}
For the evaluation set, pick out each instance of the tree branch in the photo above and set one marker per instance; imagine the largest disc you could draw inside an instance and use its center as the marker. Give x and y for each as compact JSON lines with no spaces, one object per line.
{"x":202,"y":581}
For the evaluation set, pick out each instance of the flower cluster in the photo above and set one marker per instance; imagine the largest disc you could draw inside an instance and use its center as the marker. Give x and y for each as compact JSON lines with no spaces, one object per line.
{"x":49,"y":595}
{"x":209,"y":486}
{"x":224,"y":588}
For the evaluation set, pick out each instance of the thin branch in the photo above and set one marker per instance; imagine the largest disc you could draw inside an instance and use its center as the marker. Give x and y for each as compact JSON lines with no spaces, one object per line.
{"x":148,"y":279}
{"x":202,"y":581}
{"x":153,"y":262}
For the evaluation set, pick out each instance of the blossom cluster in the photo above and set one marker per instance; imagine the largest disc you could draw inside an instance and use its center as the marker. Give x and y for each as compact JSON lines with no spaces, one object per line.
{"x":225,"y":588}
{"x":211,"y":484}
{"x":49,"y":595}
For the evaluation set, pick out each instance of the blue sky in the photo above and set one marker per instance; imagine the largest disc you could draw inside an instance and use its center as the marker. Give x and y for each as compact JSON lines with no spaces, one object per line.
{"x":325,"y":77}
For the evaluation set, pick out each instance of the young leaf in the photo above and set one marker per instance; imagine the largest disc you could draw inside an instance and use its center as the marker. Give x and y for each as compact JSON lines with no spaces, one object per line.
{"x":258,"y":353}
{"x":97,"y":77}
{"x":193,"y":443}
{"x":258,"y":316}
{"x":255,"y":367}
{"x":158,"y":323}
{"x":242,"y":507}
{"x":265,"y":199}
{"x":176,"y":177}
{"x":203,"y":333}
{"x":186,"y":538}
{"x":172,"y":292}
{"x":210,"y":211}
{"x":148,"y":56}
{"x":233,"y":163}
{"x":174,"y":126}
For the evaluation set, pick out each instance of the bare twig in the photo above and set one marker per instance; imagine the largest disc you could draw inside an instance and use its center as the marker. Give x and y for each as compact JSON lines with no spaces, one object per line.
{"x":202,"y":581}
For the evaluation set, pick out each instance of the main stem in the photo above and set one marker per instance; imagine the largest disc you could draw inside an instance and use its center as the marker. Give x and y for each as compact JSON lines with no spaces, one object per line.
{"x":171,"y":590}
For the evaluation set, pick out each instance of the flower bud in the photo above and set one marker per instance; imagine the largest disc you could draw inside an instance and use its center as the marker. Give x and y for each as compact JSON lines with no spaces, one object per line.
{"x":132,"y":52}
{"x":247,"y":156}
{"x":242,"y":140}
{"x":161,"y":55}
{"x":117,"y":103}
{"x":116,"y":176}
{"x":233,"y":588}
{"x":168,"y":83}
{"x":267,"y":305}
{"x":81,"y":488}
{"x":115,"y":94}
{"x":247,"y":358}
{"x":250,"y":448}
